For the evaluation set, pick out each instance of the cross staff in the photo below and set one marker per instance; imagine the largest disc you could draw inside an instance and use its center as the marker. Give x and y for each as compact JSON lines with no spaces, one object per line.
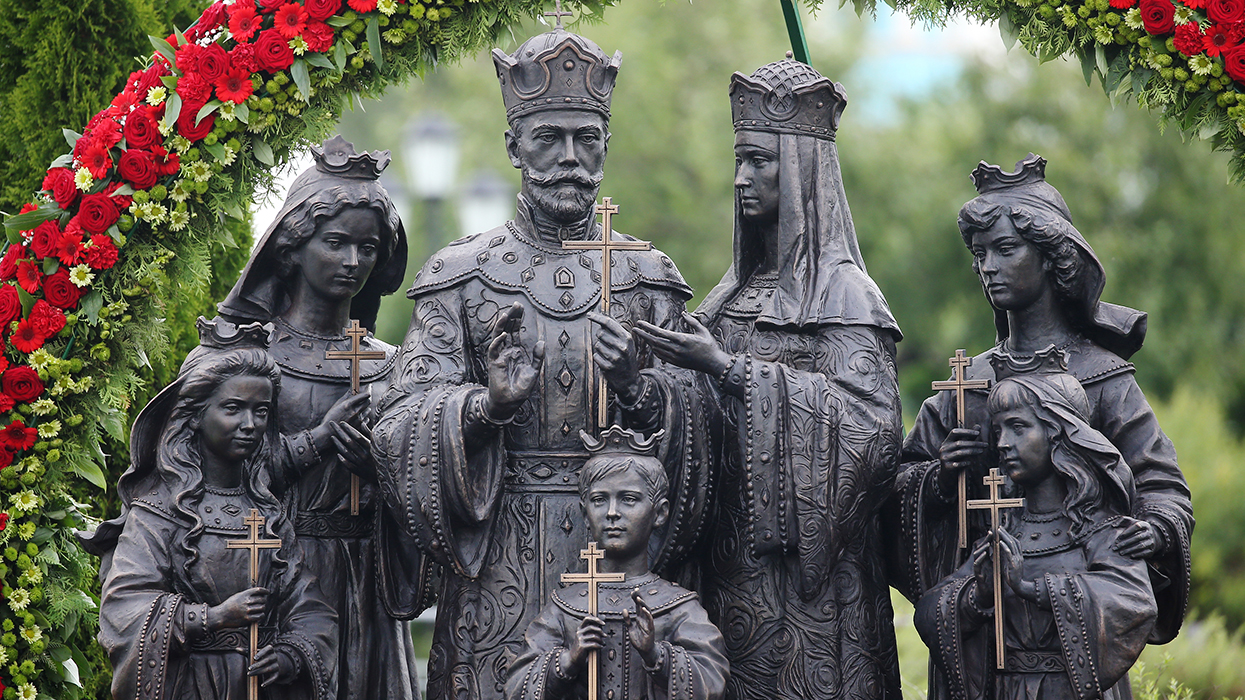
{"x":558,"y":13}
{"x":607,"y":245}
{"x":354,"y":355}
{"x":254,"y":521}
{"x":959,"y":385}
{"x":592,"y":578}
{"x":994,"y":504}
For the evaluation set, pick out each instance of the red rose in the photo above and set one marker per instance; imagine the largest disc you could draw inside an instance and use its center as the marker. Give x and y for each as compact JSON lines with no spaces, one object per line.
{"x":59,"y":182}
{"x":322,"y":9}
{"x":362,"y":5}
{"x":4,"y":517}
{"x":29,"y":275}
{"x":1234,"y":63}
{"x":186,"y":122}
{"x":319,"y":37}
{"x":95,"y":159}
{"x":10,"y":304}
{"x":211,"y":18}
{"x":1225,"y":11}
{"x":97,"y":212}
{"x":47,"y":321}
{"x":150,"y":78}
{"x":194,"y":88}
{"x":243,"y":21}
{"x":273,"y":51}
{"x":141,"y":130}
{"x":123,"y":201}
{"x":59,"y":291}
{"x":166,"y":163}
{"x":242,"y":57}
{"x":213,"y":63}
{"x":16,"y":436}
{"x":137,"y":168}
{"x":269,"y":6}
{"x":1158,"y":16}
{"x":43,"y":239}
{"x":26,"y":338}
{"x":22,"y":382}
{"x":101,"y":252}
{"x":8,"y":264}
{"x":1189,"y":39}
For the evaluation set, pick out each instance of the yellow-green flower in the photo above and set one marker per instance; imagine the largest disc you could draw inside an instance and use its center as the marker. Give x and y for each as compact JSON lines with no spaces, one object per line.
{"x":43,"y":407}
{"x":1132,"y":19}
{"x":25,"y":501}
{"x":181,"y":144}
{"x":32,"y":633}
{"x":178,"y":220}
{"x":50,"y":429}
{"x":27,"y":692}
{"x":387,"y":7}
{"x":1201,"y":64}
{"x":1103,"y":34}
{"x":19,"y":599}
{"x":81,"y":275}
{"x":31,"y":577}
{"x":26,"y":530}
{"x":83,"y":180}
{"x":41,"y":359}
{"x":298,"y":45}
{"x":156,"y":95}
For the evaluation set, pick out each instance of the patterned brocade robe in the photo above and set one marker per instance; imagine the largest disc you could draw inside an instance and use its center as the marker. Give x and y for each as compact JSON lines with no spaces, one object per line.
{"x":691,"y":661}
{"x":498,"y":506}
{"x":794,"y":575}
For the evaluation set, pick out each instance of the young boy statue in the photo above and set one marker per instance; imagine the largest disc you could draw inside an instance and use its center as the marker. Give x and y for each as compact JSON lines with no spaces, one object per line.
{"x":652,"y":638}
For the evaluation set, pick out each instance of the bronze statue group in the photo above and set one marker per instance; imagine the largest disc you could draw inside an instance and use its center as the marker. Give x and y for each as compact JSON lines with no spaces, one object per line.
{"x":301,"y":492}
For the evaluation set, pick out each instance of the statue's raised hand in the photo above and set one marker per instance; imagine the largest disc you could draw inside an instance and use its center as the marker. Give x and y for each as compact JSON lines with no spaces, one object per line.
{"x":641,"y":629}
{"x":512,"y":376}
{"x":697,"y":350}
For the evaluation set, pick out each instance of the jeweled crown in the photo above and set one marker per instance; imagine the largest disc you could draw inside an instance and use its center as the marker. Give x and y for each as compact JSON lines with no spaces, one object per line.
{"x":620,"y":440}
{"x":556,"y":70}
{"x":787,"y":97}
{"x":991,"y":178}
{"x":337,"y":157}
{"x":1050,"y":360}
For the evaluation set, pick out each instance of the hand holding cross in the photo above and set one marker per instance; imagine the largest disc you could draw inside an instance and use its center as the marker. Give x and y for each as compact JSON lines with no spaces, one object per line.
{"x":994,"y":504}
{"x":254,"y":521}
{"x":592,"y":578}
{"x":960,"y":385}
{"x":355,"y":355}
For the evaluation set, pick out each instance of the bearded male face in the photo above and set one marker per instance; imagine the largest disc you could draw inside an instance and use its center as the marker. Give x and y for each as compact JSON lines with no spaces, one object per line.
{"x":561,"y":154}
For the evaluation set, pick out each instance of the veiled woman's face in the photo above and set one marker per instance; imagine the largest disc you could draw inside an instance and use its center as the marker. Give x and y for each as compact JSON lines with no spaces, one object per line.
{"x":335,"y":262}
{"x":1012,"y":270}
{"x":756,"y":175}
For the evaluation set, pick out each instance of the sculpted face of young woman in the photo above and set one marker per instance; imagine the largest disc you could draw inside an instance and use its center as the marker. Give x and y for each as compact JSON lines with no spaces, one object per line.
{"x":1012,"y":270}
{"x":235,"y":418}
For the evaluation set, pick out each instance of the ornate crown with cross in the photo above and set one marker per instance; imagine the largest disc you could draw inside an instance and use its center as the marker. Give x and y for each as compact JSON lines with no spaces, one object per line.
{"x":787,"y":97}
{"x":556,"y":70}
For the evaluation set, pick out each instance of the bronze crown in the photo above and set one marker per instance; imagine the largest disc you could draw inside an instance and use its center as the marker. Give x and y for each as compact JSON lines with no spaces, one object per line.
{"x":337,"y":157}
{"x":619,"y":440}
{"x":556,"y":70}
{"x":990,"y":178}
{"x":1050,"y":360}
{"x":787,"y":97}
{"x":225,"y":335}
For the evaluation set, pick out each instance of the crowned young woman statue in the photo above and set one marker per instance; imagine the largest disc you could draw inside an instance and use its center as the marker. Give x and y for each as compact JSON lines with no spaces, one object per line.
{"x":798,"y":353}
{"x":334,"y":249}
{"x":178,"y":598}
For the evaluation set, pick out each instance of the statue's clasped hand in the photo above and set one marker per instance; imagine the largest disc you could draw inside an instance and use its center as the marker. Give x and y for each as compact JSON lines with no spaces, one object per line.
{"x":614,"y":352}
{"x":343,"y":432}
{"x":512,"y":376}
{"x":697,"y":350}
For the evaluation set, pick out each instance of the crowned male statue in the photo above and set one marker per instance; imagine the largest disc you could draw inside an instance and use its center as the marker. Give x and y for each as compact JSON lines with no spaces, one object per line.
{"x":477,"y":445}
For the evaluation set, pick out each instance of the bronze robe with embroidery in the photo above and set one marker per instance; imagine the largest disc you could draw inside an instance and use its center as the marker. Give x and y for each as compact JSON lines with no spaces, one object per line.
{"x":499,"y":506}
{"x":692,"y":663}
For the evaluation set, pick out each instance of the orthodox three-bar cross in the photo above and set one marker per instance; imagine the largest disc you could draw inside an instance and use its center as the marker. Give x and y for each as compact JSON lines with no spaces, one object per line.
{"x":558,"y":13}
{"x":355,"y":355}
{"x":994,"y":504}
{"x":592,"y":578}
{"x":960,"y":385}
{"x":254,"y":521}
{"x":607,"y":245}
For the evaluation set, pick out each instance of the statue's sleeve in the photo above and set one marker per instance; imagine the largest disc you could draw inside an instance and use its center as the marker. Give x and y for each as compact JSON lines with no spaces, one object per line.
{"x":534,"y":674}
{"x":1163,"y":498}
{"x":308,"y":631}
{"x":438,"y":490}
{"x":142,"y":623}
{"x":820,"y":448}
{"x":675,"y":401}
{"x":695,"y":665}
{"x":919,"y":519}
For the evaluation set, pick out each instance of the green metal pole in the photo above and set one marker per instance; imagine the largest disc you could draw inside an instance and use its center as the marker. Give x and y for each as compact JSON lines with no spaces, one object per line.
{"x":795,"y":30}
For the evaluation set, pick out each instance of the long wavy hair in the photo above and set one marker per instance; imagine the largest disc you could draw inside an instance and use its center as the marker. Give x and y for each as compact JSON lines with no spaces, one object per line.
{"x":180,"y":453}
{"x":1085,"y":491}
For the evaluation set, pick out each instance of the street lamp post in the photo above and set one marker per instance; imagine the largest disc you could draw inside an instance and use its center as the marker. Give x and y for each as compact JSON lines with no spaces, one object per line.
{"x":431,"y":154}
{"x":487,"y":201}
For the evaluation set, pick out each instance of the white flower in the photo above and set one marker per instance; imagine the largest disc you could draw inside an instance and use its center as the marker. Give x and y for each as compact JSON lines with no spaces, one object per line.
{"x":25,"y":501}
{"x":227,"y":111}
{"x":178,"y":220}
{"x":197,"y":171}
{"x":1183,"y":14}
{"x":19,"y":599}
{"x":49,"y":429}
{"x":32,"y":576}
{"x":81,"y":275}
{"x":27,"y":692}
{"x":4,"y":656}
{"x":156,"y":95}
{"x":1132,"y":19}
{"x":181,"y":144}
{"x":41,"y":359}
{"x":387,"y":7}
{"x":180,"y":192}
{"x":32,"y":634}
{"x":83,"y":180}
{"x":42,"y":407}
{"x":299,"y":45}
{"x":230,"y":154}
{"x":1103,"y":34}
{"x":1201,"y":64}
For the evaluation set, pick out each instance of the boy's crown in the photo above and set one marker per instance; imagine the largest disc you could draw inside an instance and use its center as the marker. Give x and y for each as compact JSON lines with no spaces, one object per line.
{"x":619,"y":440}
